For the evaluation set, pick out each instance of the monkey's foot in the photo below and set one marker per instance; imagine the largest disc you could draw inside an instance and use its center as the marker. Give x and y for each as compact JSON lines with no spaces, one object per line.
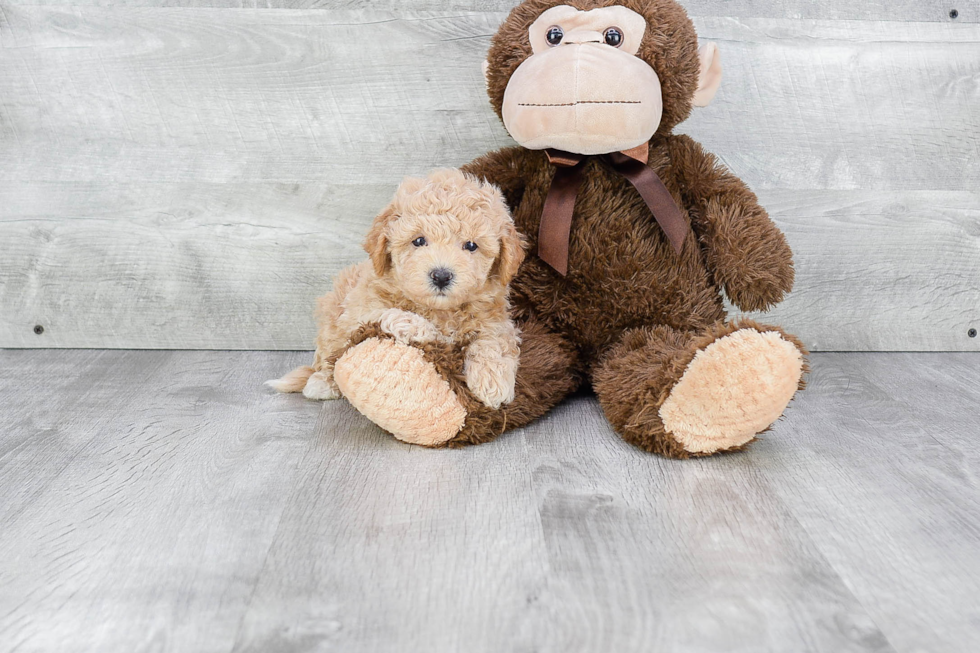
{"x":733,"y":389}
{"x":396,"y":388}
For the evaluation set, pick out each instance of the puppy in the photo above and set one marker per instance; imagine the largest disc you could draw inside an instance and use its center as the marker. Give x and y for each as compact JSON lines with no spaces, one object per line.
{"x":441,"y":256}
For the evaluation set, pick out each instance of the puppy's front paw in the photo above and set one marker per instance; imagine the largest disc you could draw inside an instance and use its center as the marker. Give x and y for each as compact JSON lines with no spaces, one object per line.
{"x":407,"y":327}
{"x":320,"y":387}
{"x":491,"y":381}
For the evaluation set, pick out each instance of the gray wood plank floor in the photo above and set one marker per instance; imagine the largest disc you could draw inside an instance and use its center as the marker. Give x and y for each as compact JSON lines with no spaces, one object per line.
{"x":165,"y":501}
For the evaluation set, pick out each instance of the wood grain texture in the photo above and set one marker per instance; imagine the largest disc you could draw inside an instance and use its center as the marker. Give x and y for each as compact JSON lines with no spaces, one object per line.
{"x":845,"y":104}
{"x":389,"y":546}
{"x":354,"y":97}
{"x":166,"y":501}
{"x":881,"y":271}
{"x":240,"y":265}
{"x":885,"y":449}
{"x":140,"y":492}
{"x":709,"y":559}
{"x":903,"y":10}
{"x":175,"y":265}
{"x":190,"y":177}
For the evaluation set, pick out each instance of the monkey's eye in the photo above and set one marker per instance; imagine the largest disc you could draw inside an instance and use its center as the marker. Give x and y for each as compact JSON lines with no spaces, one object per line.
{"x":418,"y":242}
{"x":555,"y":35}
{"x":614,"y":37}
{"x":470,"y":246}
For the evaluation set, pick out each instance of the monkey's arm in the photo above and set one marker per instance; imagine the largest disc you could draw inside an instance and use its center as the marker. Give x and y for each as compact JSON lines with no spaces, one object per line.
{"x":746,"y":251}
{"x":505,"y":169}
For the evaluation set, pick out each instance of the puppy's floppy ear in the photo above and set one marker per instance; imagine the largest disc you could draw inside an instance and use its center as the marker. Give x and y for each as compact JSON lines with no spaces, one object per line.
{"x":512,"y":245}
{"x":376,"y":242}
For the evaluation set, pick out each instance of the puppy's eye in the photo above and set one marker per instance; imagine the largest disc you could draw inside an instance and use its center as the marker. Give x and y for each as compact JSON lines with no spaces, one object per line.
{"x":470,"y":246}
{"x":419,"y":242}
{"x":614,"y":37}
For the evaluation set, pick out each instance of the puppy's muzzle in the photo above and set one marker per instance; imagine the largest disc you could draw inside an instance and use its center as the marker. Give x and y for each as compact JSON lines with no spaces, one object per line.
{"x":441,"y":278}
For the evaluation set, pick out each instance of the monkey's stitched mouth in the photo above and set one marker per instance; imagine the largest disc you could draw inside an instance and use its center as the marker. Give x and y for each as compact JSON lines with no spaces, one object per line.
{"x":572,"y":104}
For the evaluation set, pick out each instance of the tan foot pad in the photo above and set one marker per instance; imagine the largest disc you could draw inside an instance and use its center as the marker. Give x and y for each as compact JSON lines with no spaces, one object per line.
{"x":397,"y":389}
{"x":735,"y":388}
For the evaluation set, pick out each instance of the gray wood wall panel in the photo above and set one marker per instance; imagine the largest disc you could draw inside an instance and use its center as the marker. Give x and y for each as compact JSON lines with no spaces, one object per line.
{"x":909,"y":10}
{"x":192,"y":177}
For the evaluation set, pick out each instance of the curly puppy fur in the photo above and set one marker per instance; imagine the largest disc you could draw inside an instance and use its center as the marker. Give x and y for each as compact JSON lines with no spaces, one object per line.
{"x":448,"y":223}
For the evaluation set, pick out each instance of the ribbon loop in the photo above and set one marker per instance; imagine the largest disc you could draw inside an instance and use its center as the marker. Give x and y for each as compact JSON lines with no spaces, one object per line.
{"x":556,"y":218}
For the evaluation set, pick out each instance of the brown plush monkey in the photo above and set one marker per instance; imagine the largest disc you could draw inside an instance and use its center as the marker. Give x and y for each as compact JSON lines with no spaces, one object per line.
{"x":637,"y":231}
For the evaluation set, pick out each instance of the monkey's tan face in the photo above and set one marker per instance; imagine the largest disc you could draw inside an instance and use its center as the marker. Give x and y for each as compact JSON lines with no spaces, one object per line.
{"x":583,"y":89}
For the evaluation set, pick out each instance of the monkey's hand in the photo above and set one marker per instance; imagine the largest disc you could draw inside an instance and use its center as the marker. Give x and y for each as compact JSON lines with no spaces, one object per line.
{"x":490,"y":372}
{"x":408,"y":327}
{"x":748,"y":254}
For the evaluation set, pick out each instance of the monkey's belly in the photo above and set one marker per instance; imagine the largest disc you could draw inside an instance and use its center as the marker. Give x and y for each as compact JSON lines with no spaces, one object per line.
{"x":601,"y":298}
{"x":623,"y":272}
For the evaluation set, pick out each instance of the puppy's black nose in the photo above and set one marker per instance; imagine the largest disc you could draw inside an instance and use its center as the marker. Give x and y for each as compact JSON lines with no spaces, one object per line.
{"x":441,"y":277}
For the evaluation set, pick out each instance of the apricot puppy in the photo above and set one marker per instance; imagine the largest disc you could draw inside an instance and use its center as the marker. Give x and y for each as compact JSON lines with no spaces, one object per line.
{"x":441,"y":256}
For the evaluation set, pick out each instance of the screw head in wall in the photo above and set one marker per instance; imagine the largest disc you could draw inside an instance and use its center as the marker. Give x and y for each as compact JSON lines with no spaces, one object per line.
{"x":972,"y":333}
{"x":38,"y":329}
{"x":954,"y":14}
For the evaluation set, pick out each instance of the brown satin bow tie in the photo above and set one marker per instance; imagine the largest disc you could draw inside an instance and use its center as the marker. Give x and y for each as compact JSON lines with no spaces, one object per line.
{"x":556,"y":218}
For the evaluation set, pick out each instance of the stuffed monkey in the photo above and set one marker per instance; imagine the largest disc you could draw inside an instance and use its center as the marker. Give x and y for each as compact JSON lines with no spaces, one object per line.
{"x":636,"y":232}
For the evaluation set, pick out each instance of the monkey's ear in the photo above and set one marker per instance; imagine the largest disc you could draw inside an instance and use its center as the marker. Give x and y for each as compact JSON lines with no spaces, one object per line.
{"x":486,"y":71}
{"x":710,"y":77}
{"x":376,"y":242}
